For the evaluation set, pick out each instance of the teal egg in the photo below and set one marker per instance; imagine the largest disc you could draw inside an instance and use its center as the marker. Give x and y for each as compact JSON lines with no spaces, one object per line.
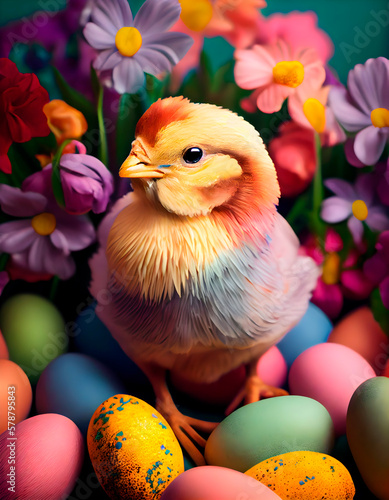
{"x":368,"y":434}
{"x":34,"y":331}
{"x":268,"y":428}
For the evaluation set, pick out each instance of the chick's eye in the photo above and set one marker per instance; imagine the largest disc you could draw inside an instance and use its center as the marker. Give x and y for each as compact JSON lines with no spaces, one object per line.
{"x":193,"y":155}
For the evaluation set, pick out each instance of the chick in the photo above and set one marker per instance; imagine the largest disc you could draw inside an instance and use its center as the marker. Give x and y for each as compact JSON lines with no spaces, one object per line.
{"x":197,"y":272}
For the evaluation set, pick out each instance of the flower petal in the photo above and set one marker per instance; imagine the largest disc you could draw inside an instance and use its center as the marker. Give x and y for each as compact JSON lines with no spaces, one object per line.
{"x":173,"y":45}
{"x":368,"y":84}
{"x":341,"y":188}
{"x":117,"y":12}
{"x":43,"y":257}
{"x":107,"y":59}
{"x":272,"y":97}
{"x":356,"y":229}
{"x":16,"y":236}
{"x":78,"y":231}
{"x":253,"y":68}
{"x":384,"y":291}
{"x":377,"y":220}
{"x":98,"y":38}
{"x":157,"y":15}
{"x":14,"y":201}
{"x":59,"y":240}
{"x":328,"y":298}
{"x":128,"y":76}
{"x":335,"y":209}
{"x":370,"y":143}
{"x":350,"y":153}
{"x":356,"y":285}
{"x":351,"y":118}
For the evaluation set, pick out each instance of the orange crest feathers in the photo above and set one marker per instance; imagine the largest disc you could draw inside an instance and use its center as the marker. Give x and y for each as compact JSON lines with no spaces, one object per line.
{"x":160,"y":115}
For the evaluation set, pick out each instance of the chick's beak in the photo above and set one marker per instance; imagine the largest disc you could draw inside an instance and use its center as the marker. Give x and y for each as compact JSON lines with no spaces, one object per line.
{"x":133,"y":167}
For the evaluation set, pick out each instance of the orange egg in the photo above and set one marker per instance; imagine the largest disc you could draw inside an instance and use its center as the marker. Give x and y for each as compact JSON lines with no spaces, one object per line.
{"x":15,"y":394}
{"x":3,"y":348}
{"x":361,"y":332}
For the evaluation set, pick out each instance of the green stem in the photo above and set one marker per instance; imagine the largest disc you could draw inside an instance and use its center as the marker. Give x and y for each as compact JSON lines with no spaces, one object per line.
{"x":55,"y":175}
{"x":3,"y":260}
{"x":103,"y":146}
{"x":318,"y":193}
{"x":54,"y":287}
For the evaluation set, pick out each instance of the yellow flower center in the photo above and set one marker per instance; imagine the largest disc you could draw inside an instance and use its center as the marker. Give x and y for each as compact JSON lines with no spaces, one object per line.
{"x":196,"y":14}
{"x":315,"y":113}
{"x":128,"y":41}
{"x":331,"y":268}
{"x":289,"y":73}
{"x":44,"y":224}
{"x":359,"y":209}
{"x":380,"y":117}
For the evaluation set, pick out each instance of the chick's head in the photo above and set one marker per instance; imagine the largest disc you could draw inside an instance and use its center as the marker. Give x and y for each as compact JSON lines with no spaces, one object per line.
{"x":192,"y":159}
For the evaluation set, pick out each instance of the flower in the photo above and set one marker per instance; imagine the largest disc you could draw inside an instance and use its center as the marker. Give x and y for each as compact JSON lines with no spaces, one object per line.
{"x":277,"y":72}
{"x":21,"y":101}
{"x":4,"y":279}
{"x":338,"y":279}
{"x":364,"y":108}
{"x":309,"y":109}
{"x":377,"y":267}
{"x":131,"y":47}
{"x":86,"y":182}
{"x":356,"y":204}
{"x":299,"y":29}
{"x":72,"y":147}
{"x":64,"y":121}
{"x":293,"y":154}
{"x":43,"y":239}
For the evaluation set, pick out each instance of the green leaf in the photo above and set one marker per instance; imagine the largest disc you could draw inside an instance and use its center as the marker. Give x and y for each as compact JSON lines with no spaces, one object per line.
{"x":130,"y":110}
{"x":381,"y":314}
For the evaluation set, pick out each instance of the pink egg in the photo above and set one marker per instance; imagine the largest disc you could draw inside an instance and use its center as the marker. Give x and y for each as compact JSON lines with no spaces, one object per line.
{"x":272,"y":367}
{"x":215,"y":483}
{"x":3,"y":348}
{"x":42,"y":460}
{"x":329,"y":373}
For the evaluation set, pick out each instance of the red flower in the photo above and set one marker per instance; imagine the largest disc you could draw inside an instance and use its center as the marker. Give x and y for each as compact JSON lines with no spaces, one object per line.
{"x":21,"y":109}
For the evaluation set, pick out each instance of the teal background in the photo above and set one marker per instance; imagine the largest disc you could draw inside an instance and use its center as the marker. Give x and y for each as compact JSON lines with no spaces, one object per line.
{"x":351,"y":24}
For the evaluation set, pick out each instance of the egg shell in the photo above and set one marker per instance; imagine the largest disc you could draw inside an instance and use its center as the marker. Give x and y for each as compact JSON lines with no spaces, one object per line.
{"x":48,"y":453}
{"x":4,"y":354}
{"x":215,"y":483}
{"x":329,"y":373}
{"x":272,"y":368}
{"x":74,"y":385}
{"x":361,"y":332}
{"x":368,"y":434}
{"x":34,"y":331}
{"x":134,"y":451}
{"x":15,"y":394}
{"x":220,"y":392}
{"x":305,"y":474}
{"x":268,"y":428}
{"x":313,"y":328}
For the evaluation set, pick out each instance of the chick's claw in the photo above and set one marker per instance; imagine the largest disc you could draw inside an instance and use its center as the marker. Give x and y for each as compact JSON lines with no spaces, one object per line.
{"x":254,"y":390}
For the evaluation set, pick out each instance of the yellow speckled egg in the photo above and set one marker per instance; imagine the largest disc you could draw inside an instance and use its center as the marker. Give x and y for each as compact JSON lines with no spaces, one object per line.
{"x":133,"y":449}
{"x":305,"y":474}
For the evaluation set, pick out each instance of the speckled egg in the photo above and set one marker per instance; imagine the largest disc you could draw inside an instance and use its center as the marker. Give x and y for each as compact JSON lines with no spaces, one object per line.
{"x":305,"y":474}
{"x":133,"y":449}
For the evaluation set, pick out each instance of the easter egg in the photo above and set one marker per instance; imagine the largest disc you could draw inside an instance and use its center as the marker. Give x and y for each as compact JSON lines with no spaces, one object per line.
{"x":3,"y":348}
{"x":34,"y":332}
{"x":368,"y":434}
{"x":272,"y":368}
{"x":361,"y":332}
{"x":214,"y":483}
{"x":220,"y":392}
{"x":268,"y":428}
{"x":91,"y":337}
{"x":74,"y":385}
{"x":313,"y":328}
{"x":43,"y":461}
{"x":15,"y":394}
{"x":133,"y":449}
{"x":329,"y":373}
{"x":305,"y":474}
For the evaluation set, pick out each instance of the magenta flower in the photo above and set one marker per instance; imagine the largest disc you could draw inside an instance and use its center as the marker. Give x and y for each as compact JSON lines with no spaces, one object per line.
{"x":355,"y":203}
{"x":87,"y":183}
{"x":4,"y":279}
{"x":377,"y":267}
{"x":364,"y":108}
{"x":43,"y":239}
{"x":131,"y":47}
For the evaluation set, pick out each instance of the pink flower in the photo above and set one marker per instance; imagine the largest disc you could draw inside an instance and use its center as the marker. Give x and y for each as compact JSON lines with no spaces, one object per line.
{"x":299,"y":29}
{"x":338,"y":279}
{"x":235,"y":20}
{"x":277,"y":72}
{"x":377,"y":267}
{"x":293,"y":154}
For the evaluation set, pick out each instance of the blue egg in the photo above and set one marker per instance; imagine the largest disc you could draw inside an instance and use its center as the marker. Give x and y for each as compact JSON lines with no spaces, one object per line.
{"x":313,"y":328}
{"x":74,"y":385}
{"x":90,"y":336}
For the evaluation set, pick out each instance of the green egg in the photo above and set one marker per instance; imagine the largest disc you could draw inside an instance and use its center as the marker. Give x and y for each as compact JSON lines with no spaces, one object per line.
{"x":368,"y":433}
{"x":268,"y":428}
{"x":34,"y":331}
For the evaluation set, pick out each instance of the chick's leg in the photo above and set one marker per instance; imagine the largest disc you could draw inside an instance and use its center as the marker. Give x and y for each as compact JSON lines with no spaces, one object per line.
{"x":254,"y":389}
{"x":184,"y":427}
